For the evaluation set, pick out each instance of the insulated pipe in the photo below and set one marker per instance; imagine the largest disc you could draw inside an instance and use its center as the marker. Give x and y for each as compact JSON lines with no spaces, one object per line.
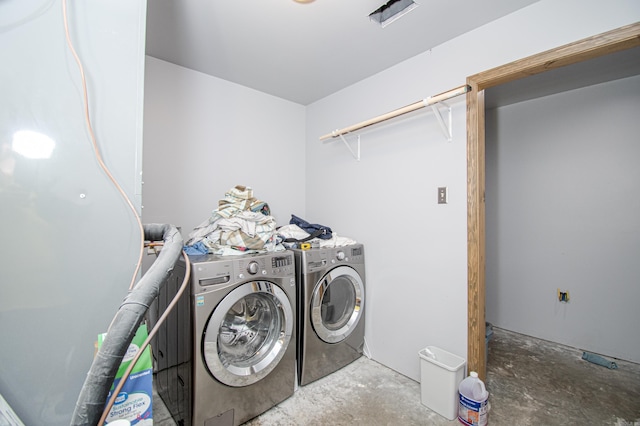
{"x":130,"y":314}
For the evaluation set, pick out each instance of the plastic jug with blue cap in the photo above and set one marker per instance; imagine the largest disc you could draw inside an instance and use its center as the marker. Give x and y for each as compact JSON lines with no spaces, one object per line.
{"x":472,"y":410}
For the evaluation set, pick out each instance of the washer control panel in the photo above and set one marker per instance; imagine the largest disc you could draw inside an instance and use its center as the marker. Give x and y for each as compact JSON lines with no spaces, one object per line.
{"x":273,"y":265}
{"x":218,"y":270}
{"x":253,"y":267}
{"x":281,"y":261}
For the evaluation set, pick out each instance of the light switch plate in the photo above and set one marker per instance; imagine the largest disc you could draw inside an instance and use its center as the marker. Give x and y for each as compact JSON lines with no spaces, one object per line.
{"x":442,"y":195}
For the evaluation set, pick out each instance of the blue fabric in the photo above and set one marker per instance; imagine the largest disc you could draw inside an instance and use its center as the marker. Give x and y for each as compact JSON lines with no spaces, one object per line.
{"x":195,"y":249}
{"x":318,"y":231}
{"x":597,"y":359}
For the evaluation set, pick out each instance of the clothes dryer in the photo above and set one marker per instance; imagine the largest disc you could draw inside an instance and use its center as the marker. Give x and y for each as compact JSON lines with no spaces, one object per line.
{"x":331,"y":302}
{"x":227,"y":353}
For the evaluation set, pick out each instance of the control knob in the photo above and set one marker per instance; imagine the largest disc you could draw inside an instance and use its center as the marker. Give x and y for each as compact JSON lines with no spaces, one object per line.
{"x":252,"y":268}
{"x":340,"y":255}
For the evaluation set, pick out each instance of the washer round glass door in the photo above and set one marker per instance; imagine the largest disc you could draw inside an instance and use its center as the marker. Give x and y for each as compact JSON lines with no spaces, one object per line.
{"x":248,"y":333}
{"x":337,"y":304}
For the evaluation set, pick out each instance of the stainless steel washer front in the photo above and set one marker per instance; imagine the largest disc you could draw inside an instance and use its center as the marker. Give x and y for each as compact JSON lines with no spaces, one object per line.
{"x":248,"y":333}
{"x":227,"y":353}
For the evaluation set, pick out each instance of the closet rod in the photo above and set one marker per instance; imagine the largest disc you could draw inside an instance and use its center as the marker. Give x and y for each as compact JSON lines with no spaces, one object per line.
{"x":404,"y":110}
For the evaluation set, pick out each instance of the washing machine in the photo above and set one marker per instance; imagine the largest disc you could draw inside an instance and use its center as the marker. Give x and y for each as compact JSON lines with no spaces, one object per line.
{"x":227,"y":352}
{"x":331,"y":302}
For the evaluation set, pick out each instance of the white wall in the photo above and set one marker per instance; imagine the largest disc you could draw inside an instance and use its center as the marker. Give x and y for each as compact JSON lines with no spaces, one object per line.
{"x":204,"y":135}
{"x":563,"y":211}
{"x":416,"y":250}
{"x":69,"y":241}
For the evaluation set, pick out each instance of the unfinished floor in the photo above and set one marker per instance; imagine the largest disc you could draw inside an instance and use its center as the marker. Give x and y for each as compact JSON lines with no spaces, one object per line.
{"x":531,"y":382}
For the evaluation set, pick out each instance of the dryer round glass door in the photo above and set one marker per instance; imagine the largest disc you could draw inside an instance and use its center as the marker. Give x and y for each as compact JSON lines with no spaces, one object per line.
{"x":337,"y":304}
{"x":248,"y":333}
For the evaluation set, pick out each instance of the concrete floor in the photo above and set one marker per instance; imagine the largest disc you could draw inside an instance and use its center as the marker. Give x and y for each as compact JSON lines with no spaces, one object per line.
{"x":530,"y":381}
{"x":534,"y":382}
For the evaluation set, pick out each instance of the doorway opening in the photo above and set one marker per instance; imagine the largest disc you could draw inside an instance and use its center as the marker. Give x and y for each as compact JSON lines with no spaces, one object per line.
{"x":590,"y":48}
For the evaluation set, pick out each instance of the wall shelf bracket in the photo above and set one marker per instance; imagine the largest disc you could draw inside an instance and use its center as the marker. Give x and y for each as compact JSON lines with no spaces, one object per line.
{"x":448,"y":126}
{"x":356,"y":155}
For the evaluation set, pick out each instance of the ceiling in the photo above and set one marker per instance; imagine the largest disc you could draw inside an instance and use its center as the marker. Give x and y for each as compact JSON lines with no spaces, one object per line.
{"x":304,"y":52}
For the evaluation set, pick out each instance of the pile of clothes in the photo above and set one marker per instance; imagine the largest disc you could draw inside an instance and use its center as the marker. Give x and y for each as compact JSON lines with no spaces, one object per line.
{"x":243,"y":224}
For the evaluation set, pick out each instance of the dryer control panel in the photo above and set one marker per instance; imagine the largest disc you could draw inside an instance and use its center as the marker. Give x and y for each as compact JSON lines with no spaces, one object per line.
{"x":321,"y":258}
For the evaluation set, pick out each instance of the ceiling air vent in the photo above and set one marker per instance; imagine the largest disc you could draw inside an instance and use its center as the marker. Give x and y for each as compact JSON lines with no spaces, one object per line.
{"x":392,"y":10}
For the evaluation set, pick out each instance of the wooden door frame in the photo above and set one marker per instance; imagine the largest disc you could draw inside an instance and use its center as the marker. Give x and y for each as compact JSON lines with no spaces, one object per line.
{"x":589,"y":48}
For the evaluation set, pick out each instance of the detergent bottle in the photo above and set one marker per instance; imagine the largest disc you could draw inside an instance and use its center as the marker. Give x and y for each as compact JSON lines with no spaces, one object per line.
{"x":472,"y":410}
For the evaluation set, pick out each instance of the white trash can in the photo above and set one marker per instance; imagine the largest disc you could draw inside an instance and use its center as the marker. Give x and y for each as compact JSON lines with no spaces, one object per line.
{"x":440,"y":375}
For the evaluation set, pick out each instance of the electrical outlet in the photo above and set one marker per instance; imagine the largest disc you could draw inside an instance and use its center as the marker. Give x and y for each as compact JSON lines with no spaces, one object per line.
{"x":442,"y":195}
{"x":563,"y":296}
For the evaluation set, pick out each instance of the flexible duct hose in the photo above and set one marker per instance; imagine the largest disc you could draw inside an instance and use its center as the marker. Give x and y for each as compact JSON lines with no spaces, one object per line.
{"x":95,"y":389}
